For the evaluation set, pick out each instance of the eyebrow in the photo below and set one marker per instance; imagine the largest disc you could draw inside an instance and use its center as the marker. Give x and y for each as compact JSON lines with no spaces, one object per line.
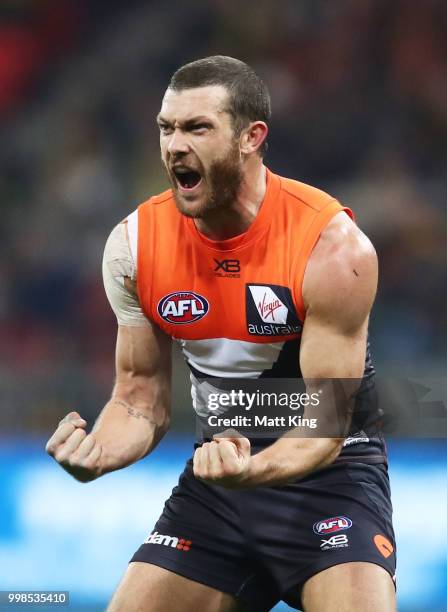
{"x":188,"y":123}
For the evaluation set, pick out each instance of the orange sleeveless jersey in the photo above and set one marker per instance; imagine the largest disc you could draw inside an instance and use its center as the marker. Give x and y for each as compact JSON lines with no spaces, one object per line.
{"x":235,"y":305}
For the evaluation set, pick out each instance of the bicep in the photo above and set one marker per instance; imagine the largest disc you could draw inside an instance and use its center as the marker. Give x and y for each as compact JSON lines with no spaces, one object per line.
{"x":142,"y":352}
{"x":143,"y":372}
{"x":339,"y":288}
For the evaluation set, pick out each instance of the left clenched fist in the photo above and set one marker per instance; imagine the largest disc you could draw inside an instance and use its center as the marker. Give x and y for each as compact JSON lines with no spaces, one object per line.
{"x":224,"y":461}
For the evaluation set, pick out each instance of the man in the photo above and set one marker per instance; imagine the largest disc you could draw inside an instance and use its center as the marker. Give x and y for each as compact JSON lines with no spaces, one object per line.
{"x":256,"y":276}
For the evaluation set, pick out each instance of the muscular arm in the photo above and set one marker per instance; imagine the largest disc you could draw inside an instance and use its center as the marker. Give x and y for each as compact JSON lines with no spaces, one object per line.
{"x":339,"y":288}
{"x":138,"y":413}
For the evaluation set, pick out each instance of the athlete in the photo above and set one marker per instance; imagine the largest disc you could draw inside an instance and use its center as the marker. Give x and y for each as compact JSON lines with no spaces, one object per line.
{"x":255,"y":276}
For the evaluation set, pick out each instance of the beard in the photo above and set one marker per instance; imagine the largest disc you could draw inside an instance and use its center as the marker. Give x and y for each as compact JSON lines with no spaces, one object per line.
{"x":222,"y":184}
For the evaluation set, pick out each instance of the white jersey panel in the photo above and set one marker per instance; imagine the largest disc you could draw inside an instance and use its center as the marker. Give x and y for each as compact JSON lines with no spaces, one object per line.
{"x":231,"y":358}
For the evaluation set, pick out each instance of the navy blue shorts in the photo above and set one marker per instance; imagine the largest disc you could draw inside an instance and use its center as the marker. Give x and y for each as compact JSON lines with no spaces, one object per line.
{"x":261,"y":545}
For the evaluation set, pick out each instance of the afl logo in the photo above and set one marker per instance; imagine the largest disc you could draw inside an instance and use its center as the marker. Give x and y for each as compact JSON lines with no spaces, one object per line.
{"x":182,"y":307}
{"x":331,"y":525}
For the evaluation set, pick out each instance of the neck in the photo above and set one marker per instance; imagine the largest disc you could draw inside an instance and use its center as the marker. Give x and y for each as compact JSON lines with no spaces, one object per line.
{"x":221,"y":225}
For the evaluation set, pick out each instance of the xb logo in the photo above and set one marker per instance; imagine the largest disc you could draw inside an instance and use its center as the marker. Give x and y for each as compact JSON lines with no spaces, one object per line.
{"x":227,"y":265}
{"x":336,"y":541}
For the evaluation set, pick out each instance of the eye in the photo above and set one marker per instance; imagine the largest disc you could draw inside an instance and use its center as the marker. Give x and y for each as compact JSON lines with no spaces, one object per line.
{"x":200,"y":127}
{"x":165,"y":129}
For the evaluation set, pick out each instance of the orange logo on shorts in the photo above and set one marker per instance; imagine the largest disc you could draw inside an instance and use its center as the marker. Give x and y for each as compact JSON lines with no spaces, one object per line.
{"x":384,"y":546}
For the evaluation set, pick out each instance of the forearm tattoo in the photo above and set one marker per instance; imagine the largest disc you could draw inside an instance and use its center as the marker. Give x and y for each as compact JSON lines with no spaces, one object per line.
{"x":131,"y":411}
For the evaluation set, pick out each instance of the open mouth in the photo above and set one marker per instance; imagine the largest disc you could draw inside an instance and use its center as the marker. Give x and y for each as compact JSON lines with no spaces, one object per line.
{"x":187,"y":179}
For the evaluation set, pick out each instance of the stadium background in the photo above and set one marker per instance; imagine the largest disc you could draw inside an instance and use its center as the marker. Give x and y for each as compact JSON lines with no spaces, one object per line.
{"x":360,"y":109}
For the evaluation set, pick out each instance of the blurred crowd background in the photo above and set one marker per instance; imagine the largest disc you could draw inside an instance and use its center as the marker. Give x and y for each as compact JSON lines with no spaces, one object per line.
{"x":359,"y":93}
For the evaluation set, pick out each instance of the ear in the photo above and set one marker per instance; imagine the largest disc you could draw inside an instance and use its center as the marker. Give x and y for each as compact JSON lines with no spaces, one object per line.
{"x":252,"y":137}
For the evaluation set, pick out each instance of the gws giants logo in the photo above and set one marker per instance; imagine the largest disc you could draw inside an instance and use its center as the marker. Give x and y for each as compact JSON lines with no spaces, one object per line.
{"x":332,"y":525}
{"x":166,"y":540}
{"x":384,"y":546}
{"x":182,"y":307}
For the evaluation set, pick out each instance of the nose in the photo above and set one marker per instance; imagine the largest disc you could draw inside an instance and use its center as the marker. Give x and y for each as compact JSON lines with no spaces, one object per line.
{"x":178,"y":143}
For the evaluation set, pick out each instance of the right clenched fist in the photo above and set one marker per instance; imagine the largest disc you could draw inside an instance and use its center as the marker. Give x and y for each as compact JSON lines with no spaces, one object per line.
{"x":78,"y":453}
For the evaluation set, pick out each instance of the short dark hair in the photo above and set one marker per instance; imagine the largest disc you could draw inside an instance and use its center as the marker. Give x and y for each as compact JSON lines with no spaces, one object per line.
{"x":249,"y":98}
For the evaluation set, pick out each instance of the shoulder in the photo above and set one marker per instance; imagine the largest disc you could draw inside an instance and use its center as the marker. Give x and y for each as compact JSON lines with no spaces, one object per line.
{"x":118,"y":258}
{"x":343,"y":241}
{"x":160,"y":209}
{"x":126,"y":232}
{"x":341,"y":274}
{"x":312,"y":197}
{"x":160,"y":198}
